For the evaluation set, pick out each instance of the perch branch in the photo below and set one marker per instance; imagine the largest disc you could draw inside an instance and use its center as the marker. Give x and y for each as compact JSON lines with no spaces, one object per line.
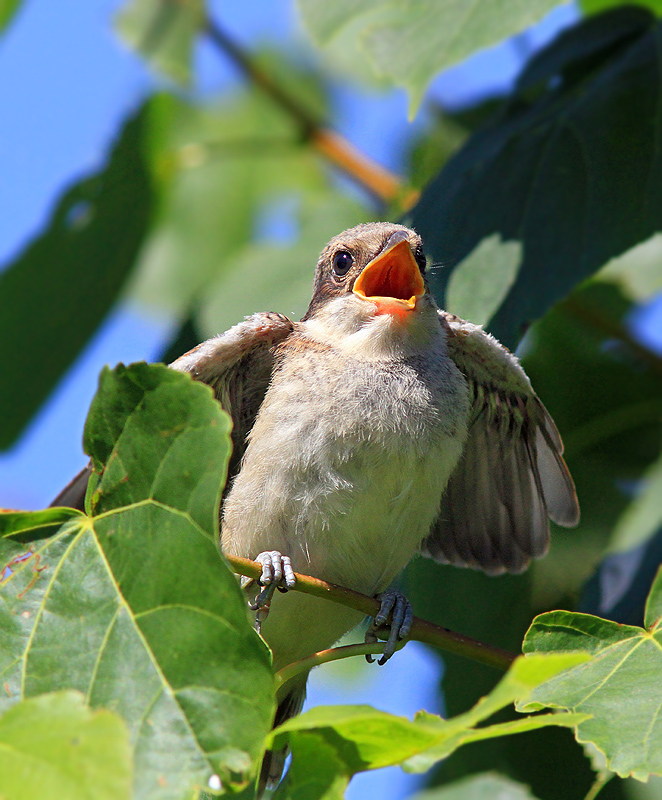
{"x":422,"y":630}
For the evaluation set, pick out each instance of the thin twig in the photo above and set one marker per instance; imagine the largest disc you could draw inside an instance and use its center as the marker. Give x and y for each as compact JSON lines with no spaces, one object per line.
{"x":422,"y":630}
{"x":382,"y":183}
{"x":304,"y":665}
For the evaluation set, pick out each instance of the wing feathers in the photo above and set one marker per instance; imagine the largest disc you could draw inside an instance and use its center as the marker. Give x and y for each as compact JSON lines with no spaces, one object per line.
{"x":511,"y":478}
{"x":238,"y":365}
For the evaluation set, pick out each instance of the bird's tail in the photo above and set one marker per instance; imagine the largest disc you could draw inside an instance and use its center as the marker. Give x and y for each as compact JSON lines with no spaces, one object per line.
{"x":273,"y":763}
{"x":73,"y":494}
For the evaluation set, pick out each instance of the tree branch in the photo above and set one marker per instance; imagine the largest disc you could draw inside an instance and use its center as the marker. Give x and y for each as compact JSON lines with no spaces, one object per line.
{"x":422,"y":630}
{"x":383,"y":184}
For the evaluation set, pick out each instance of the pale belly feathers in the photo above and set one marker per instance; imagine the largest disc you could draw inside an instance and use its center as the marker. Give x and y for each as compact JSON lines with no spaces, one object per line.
{"x":344,"y":472}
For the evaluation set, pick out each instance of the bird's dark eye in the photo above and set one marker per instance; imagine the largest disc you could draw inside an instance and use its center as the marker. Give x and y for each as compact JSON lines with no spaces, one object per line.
{"x":342,"y":263}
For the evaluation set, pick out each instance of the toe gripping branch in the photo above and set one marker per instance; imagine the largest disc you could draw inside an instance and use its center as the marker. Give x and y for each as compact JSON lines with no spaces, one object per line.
{"x":396,"y":606}
{"x":277,"y":573}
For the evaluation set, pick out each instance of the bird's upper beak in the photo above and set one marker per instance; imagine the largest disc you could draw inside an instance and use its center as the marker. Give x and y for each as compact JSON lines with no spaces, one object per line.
{"x":393,"y":280}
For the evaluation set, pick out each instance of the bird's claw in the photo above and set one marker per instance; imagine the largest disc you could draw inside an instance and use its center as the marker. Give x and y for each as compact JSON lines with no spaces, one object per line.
{"x":395,"y":605}
{"x":277,"y":573}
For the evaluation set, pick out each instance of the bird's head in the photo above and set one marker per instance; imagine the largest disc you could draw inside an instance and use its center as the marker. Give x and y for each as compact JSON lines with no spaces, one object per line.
{"x":373,"y":270}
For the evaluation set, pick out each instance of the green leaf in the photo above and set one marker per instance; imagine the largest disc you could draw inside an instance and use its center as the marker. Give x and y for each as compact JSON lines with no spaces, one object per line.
{"x":643,"y":517}
{"x":488,"y":786}
{"x":159,"y":417}
{"x":8,"y":9}
{"x":539,"y":167}
{"x":479,"y":284}
{"x":53,"y":747}
{"x":619,"y":687}
{"x":638,"y":270}
{"x":58,"y":291}
{"x":596,"y":6}
{"x":327,"y":779}
{"x":24,"y":524}
{"x":135,"y":607}
{"x":364,"y":738}
{"x":270,"y":277}
{"x":410,"y":41}
{"x":164,"y":32}
{"x":227,"y":163}
{"x":607,"y":403}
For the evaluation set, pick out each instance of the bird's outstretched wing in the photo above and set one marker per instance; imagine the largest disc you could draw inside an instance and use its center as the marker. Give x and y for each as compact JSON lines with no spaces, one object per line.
{"x":512,"y":476}
{"x":238,"y":365}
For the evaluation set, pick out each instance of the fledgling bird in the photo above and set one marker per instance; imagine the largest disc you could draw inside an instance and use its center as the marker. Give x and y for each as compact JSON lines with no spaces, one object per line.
{"x":377,"y":427}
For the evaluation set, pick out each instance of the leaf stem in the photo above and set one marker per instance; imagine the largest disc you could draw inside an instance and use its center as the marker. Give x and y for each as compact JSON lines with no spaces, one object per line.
{"x":335,"y":148}
{"x":600,"y":782}
{"x":422,"y":630}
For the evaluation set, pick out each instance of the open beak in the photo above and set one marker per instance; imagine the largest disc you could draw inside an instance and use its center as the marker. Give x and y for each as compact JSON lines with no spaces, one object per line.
{"x":392,"y":280}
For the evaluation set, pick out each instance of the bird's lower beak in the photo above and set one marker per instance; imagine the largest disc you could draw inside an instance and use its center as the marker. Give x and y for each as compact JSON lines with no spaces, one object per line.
{"x":392,"y":280}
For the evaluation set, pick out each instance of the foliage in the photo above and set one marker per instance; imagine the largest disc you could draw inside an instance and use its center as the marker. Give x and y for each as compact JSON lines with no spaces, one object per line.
{"x":126,"y":651}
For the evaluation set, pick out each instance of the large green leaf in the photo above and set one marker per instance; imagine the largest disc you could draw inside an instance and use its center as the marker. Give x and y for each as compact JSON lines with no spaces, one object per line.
{"x":164,"y":32}
{"x":479,"y":787}
{"x":135,"y":607}
{"x":350,"y":739}
{"x":620,"y":687}
{"x":537,"y":173}
{"x":55,"y":295}
{"x":54,"y":747}
{"x":228,"y":162}
{"x":410,"y":41}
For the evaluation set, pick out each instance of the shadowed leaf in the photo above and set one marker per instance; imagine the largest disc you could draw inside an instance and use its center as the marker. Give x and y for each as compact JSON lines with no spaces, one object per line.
{"x":54,"y":747}
{"x":57,"y":292}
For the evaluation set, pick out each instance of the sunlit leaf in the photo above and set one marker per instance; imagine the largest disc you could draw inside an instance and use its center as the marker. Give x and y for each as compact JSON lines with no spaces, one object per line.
{"x":536,"y":172}
{"x":54,"y":747}
{"x":479,"y":284}
{"x":411,"y":41}
{"x":643,"y":517}
{"x":638,"y":270}
{"x":164,"y":32}
{"x":478,"y":787}
{"x":57,"y":292}
{"x":357,"y":738}
{"x":135,"y":607}
{"x":619,"y":687}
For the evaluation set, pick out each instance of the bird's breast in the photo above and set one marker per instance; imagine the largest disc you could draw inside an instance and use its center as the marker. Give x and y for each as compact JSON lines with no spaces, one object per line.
{"x":346,"y":463}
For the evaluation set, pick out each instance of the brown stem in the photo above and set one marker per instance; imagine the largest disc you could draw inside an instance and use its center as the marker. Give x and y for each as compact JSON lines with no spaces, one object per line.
{"x":422,"y":630}
{"x":380,"y":182}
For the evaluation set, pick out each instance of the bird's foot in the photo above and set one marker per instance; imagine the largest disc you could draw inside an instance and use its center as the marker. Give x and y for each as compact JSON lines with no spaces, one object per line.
{"x":277,"y":573}
{"x":396,"y":606}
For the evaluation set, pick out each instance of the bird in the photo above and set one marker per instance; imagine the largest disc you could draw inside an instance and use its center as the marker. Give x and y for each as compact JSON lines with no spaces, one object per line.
{"x":377,"y":427}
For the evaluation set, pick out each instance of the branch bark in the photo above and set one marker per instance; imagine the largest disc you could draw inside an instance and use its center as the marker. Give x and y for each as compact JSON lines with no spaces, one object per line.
{"x":332,"y":146}
{"x":422,"y":630}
